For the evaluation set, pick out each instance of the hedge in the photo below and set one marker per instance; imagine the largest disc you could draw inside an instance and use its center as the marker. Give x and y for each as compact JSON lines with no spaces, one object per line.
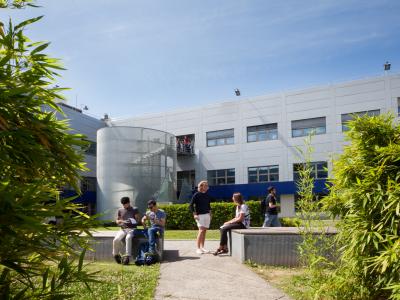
{"x":179,"y":216}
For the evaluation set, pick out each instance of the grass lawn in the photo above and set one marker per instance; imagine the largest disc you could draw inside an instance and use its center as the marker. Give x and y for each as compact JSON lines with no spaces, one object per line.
{"x":285,"y":278}
{"x":190,"y":234}
{"x":178,"y":234}
{"x":119,"y":282}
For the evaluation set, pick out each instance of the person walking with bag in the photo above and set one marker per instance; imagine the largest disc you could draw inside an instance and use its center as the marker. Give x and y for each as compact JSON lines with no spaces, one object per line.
{"x":271,"y":211}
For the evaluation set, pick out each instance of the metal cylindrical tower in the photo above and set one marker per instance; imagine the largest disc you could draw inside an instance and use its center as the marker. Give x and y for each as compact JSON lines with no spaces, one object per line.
{"x":136,"y":162}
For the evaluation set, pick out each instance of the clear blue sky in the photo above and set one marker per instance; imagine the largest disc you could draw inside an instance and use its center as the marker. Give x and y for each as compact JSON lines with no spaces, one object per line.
{"x":129,"y":57}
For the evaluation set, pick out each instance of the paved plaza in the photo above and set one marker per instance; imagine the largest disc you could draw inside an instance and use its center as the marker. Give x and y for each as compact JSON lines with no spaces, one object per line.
{"x":187,"y":275}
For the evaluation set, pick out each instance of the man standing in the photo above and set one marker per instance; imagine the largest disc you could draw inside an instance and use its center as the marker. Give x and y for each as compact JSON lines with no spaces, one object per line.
{"x":201,"y":209}
{"x":127,"y":218}
{"x":270,"y":211}
{"x":157,"y":223}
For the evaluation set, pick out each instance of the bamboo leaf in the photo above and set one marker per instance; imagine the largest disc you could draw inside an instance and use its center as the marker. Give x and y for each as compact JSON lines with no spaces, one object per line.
{"x":27,"y":22}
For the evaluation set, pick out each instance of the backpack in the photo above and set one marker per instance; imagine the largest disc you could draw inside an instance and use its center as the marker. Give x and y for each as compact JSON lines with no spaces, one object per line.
{"x":263,"y":206}
{"x":144,"y":257}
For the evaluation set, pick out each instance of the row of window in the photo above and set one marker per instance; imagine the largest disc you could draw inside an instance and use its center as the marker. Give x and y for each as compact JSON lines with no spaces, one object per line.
{"x":266,"y":173}
{"x":267,"y":132}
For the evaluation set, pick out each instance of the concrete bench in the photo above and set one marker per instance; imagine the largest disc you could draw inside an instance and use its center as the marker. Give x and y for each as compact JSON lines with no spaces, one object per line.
{"x":101,"y":243}
{"x":277,"y":246}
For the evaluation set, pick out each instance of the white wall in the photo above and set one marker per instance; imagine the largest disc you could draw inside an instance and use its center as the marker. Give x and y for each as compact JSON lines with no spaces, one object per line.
{"x":327,"y":101}
{"x":87,"y":125}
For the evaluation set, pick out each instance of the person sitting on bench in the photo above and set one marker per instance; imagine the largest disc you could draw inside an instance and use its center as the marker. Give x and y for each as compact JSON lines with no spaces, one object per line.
{"x":156,"y":217}
{"x":127,"y":218}
{"x":240,"y":221}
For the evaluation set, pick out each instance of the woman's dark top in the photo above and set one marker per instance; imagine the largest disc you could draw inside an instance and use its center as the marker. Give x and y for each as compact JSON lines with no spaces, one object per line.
{"x":200,"y":203}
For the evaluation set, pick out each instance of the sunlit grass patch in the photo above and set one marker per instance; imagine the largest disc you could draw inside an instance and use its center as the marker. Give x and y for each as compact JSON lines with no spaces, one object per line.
{"x":119,"y":282}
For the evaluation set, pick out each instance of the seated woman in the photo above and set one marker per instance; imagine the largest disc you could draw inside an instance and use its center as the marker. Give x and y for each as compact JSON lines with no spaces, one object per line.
{"x":240,"y":221}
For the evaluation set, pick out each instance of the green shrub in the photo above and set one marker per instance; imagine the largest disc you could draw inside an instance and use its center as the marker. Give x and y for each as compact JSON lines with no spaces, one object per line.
{"x":37,"y":157}
{"x":365,"y":193}
{"x":179,"y":217}
{"x":290,"y":222}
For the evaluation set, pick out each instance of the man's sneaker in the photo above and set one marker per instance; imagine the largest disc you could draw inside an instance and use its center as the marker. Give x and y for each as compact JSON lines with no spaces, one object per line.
{"x":205,"y":250}
{"x":199,"y":251}
{"x":117,"y":258}
{"x":125,"y":260}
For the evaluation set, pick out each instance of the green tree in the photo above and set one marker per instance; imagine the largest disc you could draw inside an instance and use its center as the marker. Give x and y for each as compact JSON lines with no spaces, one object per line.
{"x":37,"y":157}
{"x":365,"y":194}
{"x":317,"y":243}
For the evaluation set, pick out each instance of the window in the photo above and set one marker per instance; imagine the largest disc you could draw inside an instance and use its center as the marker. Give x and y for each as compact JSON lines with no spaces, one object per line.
{"x":318,"y":170}
{"x":263,"y":174}
{"x":307,"y":126}
{"x":185,"y":177}
{"x":91,"y":149}
{"x":262,"y":132}
{"x":219,"y":177}
{"x":349,"y":117}
{"x":88,"y":184}
{"x":220,"y":137}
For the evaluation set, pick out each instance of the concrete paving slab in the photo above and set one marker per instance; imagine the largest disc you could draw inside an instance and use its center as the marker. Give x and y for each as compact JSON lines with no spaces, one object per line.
{"x":186,"y":275}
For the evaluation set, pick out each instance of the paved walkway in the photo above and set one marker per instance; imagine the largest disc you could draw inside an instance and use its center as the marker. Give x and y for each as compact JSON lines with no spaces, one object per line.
{"x":186,"y":275}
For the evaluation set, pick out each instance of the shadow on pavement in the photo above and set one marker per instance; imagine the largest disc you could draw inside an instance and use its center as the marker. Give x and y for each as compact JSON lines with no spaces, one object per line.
{"x":173,"y":255}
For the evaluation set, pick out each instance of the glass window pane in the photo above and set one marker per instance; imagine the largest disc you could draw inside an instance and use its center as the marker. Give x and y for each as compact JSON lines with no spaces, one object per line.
{"x":297,"y":132}
{"x":220,"y":173}
{"x":346,"y":117}
{"x":252,"y":178}
{"x":211,"y":135}
{"x":263,"y":170}
{"x":273,"y":134}
{"x":274,"y":170}
{"x":263,"y":178}
{"x":262,"y":135}
{"x":296,"y":176}
{"x":230,"y":141}
{"x":273,"y":126}
{"x":262,"y":132}
{"x":320,"y":130}
{"x":372,"y":113}
{"x":220,"y":134}
{"x":251,"y":136}
{"x":231,"y":172}
{"x":231,"y":180}
{"x":220,"y":181}
{"x":229,"y":132}
{"x":273,"y":177}
{"x":309,"y":123}
{"x":252,"y":171}
{"x":221,"y":142}
{"x":211,"y":143}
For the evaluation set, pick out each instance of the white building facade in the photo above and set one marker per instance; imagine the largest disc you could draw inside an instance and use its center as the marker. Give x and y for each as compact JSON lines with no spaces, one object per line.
{"x":81,"y":123}
{"x":247,"y":145}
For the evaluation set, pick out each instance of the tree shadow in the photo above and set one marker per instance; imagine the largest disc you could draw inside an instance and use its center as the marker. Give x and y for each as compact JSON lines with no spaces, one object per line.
{"x":173,"y":255}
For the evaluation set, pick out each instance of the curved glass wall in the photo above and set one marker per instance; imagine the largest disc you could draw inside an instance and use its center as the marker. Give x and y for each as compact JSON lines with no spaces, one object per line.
{"x":136,"y":162}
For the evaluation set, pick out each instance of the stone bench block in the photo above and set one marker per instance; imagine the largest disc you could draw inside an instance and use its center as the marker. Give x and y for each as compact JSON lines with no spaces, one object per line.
{"x":276,"y":246}
{"x":101,"y":243}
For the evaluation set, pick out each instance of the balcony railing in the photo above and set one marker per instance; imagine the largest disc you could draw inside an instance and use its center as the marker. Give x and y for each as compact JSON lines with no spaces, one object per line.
{"x":185,"y":148}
